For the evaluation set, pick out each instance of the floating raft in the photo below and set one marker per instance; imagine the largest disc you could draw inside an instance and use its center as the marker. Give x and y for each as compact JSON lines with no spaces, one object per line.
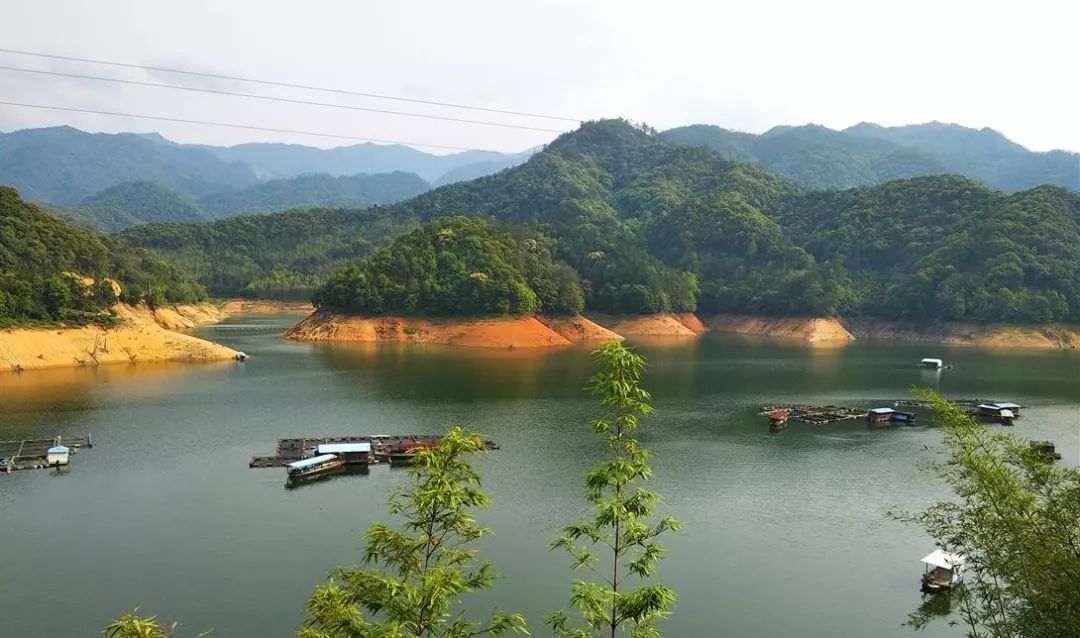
{"x":383,"y":446}
{"x":31,"y":454}
{"x":817,"y":414}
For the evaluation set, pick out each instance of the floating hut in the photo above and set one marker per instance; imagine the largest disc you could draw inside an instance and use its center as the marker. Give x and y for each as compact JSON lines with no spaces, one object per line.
{"x":933,"y":364}
{"x":879,"y":415}
{"x":57,"y":455}
{"x":943,"y":571}
{"x":350,"y":453}
{"x":315,"y":465}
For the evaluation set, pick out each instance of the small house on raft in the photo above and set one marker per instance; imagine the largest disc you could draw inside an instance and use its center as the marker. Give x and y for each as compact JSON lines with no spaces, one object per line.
{"x":999,"y":412}
{"x":350,"y":453}
{"x":58,"y":455}
{"x":889,"y":415}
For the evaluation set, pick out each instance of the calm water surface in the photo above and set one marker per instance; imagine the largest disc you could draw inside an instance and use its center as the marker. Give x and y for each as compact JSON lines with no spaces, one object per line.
{"x":784,"y":535}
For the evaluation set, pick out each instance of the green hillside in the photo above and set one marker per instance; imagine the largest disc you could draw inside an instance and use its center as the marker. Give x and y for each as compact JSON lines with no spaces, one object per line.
{"x":131,"y":203}
{"x":315,"y":191}
{"x":948,"y":248}
{"x":867,"y":154}
{"x":44,"y":263}
{"x":457,"y":266}
{"x":649,"y":226}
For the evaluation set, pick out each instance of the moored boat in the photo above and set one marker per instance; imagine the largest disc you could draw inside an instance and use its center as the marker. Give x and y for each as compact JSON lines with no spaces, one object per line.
{"x":778,"y":420}
{"x":943,"y":571}
{"x":314,"y":466}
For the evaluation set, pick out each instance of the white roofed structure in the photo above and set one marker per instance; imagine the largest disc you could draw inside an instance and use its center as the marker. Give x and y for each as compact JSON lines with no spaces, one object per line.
{"x":345,"y":448}
{"x":943,"y":559}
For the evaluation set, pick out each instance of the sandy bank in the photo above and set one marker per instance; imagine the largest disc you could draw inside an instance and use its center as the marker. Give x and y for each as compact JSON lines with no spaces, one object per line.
{"x":808,"y":329}
{"x":1045,"y":337}
{"x":662,"y":325}
{"x":139,"y":337}
{"x":578,"y":329}
{"x":266,"y":307}
{"x":526,"y":332}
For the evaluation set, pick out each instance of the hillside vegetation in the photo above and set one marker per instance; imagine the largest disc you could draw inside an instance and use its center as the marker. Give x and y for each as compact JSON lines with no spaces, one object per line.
{"x":652,"y":226}
{"x":457,"y":266}
{"x":52,"y":271}
{"x":866,"y":154}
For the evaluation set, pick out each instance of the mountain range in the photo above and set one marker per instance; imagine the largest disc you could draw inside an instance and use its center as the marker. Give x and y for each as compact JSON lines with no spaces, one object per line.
{"x":866,"y":154}
{"x":648,"y":225}
{"x":63,"y":166}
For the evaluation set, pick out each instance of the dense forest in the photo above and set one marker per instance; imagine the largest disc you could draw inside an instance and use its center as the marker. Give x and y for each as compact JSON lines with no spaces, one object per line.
{"x":867,"y":154}
{"x":52,"y":271}
{"x":283,"y":255}
{"x":650,"y":226}
{"x":457,"y":266}
{"x":132,"y":203}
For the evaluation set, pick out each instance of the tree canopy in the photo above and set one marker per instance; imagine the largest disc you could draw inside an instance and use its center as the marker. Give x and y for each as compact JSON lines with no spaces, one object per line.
{"x":50,"y":270}
{"x":457,"y":266}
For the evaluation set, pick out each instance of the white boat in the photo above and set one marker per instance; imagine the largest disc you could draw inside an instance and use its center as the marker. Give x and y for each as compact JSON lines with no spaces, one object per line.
{"x":933,"y":364}
{"x":943,"y":571}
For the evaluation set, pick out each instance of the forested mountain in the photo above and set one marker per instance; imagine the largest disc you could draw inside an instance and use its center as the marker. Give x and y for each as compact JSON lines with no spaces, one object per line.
{"x":457,"y":266}
{"x":291,"y":160}
{"x":948,"y":248}
{"x":315,"y":191}
{"x":650,"y":225}
{"x":282,"y":255}
{"x":63,"y":165}
{"x":130,"y":204}
{"x":51,"y":270}
{"x":867,"y":154}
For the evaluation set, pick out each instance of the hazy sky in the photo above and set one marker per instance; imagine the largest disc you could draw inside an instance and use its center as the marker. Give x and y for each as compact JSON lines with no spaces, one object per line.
{"x":746,"y":65}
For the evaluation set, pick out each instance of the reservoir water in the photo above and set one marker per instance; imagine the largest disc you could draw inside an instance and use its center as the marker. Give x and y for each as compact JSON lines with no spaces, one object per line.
{"x":784,"y":534}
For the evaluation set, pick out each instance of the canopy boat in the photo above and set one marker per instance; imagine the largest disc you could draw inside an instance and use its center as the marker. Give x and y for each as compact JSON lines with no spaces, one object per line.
{"x":943,"y":571}
{"x":933,"y":364}
{"x":314,"y":466}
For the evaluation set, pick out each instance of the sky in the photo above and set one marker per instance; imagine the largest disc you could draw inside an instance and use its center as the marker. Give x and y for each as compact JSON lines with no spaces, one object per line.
{"x":749,"y":66}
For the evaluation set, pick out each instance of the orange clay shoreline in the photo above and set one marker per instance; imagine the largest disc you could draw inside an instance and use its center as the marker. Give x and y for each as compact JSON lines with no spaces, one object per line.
{"x":546,"y":331}
{"x":142,"y":335}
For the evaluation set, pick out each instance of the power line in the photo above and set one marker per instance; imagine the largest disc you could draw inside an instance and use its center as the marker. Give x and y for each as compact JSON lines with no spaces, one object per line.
{"x":236,"y":78}
{"x":242,"y":126}
{"x":274,"y":98}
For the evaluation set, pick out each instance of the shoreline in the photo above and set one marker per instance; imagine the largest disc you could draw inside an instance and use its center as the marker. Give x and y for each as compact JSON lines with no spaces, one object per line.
{"x":546,"y":331}
{"x":142,"y":335}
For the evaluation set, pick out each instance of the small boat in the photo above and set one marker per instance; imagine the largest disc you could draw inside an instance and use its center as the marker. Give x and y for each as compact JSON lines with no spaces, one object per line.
{"x":778,"y":420}
{"x":1003,"y":413}
{"x":943,"y":571}
{"x":1046,"y":450}
{"x":314,"y":466}
{"x":932,"y":364}
{"x":405,"y":453}
{"x":241,"y":356}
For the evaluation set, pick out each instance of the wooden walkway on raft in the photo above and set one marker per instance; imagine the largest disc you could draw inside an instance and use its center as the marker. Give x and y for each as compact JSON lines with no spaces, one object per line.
{"x":290,"y":450}
{"x":817,"y":414}
{"x":29,"y":454}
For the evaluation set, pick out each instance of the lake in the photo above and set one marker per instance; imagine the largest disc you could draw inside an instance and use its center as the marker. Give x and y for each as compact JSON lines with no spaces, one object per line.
{"x":784,"y":534}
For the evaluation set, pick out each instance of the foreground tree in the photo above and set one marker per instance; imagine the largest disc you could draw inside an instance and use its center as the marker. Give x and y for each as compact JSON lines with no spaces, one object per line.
{"x":622,"y":529}
{"x":1017,"y":521}
{"x":132,"y":625}
{"x":418,"y":572}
